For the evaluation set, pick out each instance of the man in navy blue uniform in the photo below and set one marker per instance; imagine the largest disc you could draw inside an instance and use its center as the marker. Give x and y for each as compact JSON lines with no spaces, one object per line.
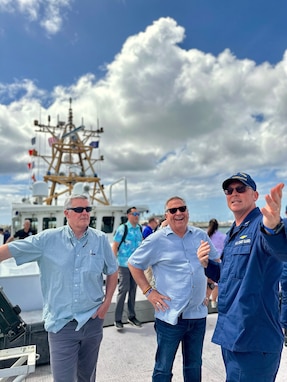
{"x":248,"y":327}
{"x":283,"y":316}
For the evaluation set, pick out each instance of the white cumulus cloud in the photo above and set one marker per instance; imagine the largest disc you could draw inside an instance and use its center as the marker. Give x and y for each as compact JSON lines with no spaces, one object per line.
{"x":48,"y":13}
{"x":176,"y":121}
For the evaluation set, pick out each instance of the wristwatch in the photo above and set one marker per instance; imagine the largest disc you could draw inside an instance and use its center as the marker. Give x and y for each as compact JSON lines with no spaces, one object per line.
{"x":211,"y":285}
{"x":275,"y":230}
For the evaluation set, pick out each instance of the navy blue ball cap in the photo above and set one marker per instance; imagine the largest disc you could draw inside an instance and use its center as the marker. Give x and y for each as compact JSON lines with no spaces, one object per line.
{"x":240,"y":177}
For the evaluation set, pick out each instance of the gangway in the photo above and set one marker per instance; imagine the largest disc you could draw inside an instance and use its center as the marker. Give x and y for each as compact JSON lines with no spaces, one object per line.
{"x":25,"y":356}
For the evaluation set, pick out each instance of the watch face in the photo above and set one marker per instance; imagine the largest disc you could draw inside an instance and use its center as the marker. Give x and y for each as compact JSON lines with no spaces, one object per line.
{"x":211,"y":285}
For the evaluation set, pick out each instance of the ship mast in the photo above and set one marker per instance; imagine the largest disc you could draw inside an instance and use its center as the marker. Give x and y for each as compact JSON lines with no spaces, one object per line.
{"x":71,"y":159}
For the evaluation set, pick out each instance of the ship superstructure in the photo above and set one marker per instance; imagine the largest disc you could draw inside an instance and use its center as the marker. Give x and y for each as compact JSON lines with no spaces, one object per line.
{"x":70,"y":168}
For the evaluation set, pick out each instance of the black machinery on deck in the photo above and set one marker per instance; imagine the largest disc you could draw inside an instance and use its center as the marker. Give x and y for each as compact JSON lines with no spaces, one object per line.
{"x":11,"y":324}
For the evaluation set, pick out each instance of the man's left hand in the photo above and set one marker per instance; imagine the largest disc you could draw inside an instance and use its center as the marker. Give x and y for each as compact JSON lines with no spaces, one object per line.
{"x":272,"y":209}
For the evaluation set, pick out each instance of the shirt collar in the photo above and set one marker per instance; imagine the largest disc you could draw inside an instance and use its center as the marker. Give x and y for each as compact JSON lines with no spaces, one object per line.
{"x":168,"y":230}
{"x":72,"y":235}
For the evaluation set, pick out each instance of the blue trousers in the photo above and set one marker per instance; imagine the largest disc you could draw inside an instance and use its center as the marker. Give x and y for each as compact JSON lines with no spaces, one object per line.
{"x":74,"y":354}
{"x":190,"y":333}
{"x":250,"y":366}
{"x":283,"y":281}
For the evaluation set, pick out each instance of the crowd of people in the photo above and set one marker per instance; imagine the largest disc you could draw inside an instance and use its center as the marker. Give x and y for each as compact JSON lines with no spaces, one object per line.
{"x":4,"y":235}
{"x":240,"y":272}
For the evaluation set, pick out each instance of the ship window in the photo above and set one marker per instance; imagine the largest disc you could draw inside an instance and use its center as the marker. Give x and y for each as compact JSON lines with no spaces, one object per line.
{"x":49,"y":223}
{"x":16,"y":223}
{"x":124,"y":219}
{"x":93,"y":222}
{"x":108,"y":224}
{"x":34,"y":224}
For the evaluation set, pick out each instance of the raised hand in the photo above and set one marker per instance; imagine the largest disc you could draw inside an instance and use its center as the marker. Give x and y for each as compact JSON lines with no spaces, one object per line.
{"x":272,"y":209}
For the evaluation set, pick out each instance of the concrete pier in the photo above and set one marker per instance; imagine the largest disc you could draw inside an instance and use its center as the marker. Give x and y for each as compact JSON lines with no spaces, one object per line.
{"x":128,"y":355}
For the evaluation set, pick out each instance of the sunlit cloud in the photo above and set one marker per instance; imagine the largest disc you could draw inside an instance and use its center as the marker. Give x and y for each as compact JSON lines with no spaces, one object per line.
{"x":47,"y":13}
{"x":176,"y":121}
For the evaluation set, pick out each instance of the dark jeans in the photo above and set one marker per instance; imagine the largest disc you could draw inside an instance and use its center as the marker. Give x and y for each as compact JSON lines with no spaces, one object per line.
{"x":250,"y":366}
{"x":74,"y":354}
{"x":191,"y":334}
{"x":126,"y":285}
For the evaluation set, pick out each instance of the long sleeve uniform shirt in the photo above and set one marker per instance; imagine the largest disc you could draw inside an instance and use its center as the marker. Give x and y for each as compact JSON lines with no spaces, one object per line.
{"x":71,"y":272}
{"x":248,"y":303}
{"x":177,"y":271}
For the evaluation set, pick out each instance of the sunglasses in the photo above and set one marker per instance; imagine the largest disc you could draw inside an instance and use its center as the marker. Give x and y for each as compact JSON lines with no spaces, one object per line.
{"x":79,"y":210}
{"x":239,"y":189}
{"x":135,"y":213}
{"x":173,"y":210}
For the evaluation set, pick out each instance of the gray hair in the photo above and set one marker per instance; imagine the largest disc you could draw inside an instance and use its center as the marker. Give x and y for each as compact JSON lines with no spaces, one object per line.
{"x":68,"y":201}
{"x":173,"y":198}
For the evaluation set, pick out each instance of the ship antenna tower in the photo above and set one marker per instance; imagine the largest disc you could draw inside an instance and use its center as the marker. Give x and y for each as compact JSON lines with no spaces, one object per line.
{"x":71,"y":160}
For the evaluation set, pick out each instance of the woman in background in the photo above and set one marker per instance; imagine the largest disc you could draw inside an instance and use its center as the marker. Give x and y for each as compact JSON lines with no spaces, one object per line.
{"x":217,"y":239}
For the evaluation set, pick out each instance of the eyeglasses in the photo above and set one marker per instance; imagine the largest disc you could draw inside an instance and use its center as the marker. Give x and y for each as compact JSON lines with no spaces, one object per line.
{"x":173,"y":210}
{"x":239,"y":189}
{"x":135,"y":213}
{"x":79,"y":210}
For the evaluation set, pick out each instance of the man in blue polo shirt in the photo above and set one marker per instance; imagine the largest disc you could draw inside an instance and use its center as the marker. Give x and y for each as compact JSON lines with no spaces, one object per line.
{"x":248,"y":327}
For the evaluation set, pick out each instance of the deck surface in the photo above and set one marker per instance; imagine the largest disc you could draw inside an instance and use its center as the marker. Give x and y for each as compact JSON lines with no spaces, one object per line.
{"x":128,"y":355}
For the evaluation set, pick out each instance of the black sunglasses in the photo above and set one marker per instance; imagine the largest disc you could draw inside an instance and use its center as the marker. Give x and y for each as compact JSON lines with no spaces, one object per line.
{"x":173,"y":210}
{"x":239,"y":189}
{"x":79,"y":210}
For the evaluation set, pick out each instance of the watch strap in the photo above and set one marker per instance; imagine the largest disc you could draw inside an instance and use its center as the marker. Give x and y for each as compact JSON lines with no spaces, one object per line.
{"x":275,"y":230}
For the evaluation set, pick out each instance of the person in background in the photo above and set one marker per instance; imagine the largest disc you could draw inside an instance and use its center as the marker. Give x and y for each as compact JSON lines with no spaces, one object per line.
{"x":4,"y":235}
{"x":151,"y":227}
{"x":148,"y":230}
{"x":217,"y":239}
{"x":72,"y":260}
{"x":248,"y":327}
{"x":24,"y":232}
{"x":123,"y":250}
{"x":1,"y":236}
{"x":179,"y":300}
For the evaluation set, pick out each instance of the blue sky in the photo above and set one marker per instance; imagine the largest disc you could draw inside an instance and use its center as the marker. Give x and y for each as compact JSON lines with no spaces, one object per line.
{"x":92,"y":33}
{"x":189,"y":92}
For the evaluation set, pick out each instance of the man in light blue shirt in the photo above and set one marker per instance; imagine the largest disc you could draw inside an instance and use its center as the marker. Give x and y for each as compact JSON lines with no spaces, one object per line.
{"x":72,"y":260}
{"x":180,"y":295}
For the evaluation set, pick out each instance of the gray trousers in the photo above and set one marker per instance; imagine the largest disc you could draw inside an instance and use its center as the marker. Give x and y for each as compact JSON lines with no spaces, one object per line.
{"x":126,"y":285}
{"x":74,"y":354}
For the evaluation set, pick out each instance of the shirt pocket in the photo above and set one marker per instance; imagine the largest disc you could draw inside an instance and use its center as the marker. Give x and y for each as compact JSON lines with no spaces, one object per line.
{"x":240,"y":259}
